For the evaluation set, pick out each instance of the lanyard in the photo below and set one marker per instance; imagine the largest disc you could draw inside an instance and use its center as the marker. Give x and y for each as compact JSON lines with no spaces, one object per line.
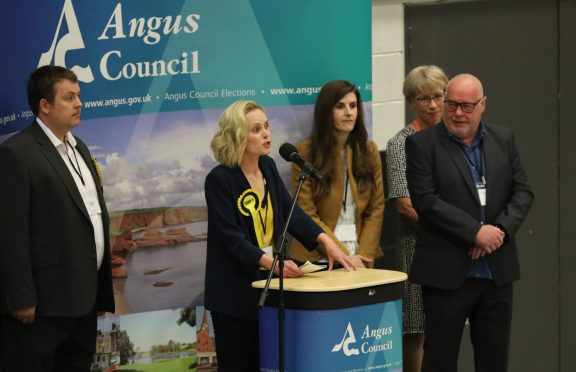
{"x":76,"y":168}
{"x":264,"y":220}
{"x":479,"y":168}
{"x":345,"y":192}
{"x":480,"y":171}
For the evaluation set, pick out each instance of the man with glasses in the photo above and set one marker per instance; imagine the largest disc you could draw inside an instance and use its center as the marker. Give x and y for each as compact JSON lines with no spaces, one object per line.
{"x":471,"y":194}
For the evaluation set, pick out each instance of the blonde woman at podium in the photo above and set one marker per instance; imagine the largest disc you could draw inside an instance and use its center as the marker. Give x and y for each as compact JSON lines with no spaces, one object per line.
{"x":348,"y":203}
{"x":247,"y":207}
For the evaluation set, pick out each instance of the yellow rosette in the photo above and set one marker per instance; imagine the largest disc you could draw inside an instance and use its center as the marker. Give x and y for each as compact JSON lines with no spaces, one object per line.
{"x":248,"y":204}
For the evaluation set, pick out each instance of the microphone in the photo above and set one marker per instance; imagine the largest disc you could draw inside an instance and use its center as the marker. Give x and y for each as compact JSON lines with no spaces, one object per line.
{"x":290,"y":153}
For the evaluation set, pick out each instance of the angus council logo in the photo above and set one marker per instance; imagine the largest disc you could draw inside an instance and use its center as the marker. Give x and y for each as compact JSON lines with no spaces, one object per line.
{"x":372,"y":340}
{"x":72,"y":40}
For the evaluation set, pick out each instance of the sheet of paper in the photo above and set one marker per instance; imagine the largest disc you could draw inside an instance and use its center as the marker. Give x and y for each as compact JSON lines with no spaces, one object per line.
{"x":308,"y":267}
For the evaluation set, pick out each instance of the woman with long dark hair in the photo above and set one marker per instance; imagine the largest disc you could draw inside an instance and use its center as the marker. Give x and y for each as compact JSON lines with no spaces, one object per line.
{"x":348,"y":203}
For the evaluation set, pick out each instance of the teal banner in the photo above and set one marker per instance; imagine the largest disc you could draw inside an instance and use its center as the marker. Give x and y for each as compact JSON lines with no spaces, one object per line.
{"x":154,"y":78}
{"x":144,"y":56}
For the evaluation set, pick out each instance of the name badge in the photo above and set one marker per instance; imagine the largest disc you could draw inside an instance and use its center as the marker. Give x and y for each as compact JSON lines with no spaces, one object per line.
{"x":346,"y":233}
{"x":481,"y":187}
{"x":92,"y":204}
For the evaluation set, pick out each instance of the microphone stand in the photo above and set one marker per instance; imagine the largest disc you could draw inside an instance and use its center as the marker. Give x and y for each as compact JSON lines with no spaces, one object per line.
{"x":279,"y":259}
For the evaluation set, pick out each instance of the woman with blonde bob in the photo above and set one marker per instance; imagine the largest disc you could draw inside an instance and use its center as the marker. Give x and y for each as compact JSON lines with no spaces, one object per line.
{"x":247,"y":207}
{"x":423,"y":90}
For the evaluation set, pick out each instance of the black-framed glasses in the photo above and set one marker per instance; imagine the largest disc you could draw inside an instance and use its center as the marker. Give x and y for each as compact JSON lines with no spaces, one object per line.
{"x":425,"y":100}
{"x":466,"y":107}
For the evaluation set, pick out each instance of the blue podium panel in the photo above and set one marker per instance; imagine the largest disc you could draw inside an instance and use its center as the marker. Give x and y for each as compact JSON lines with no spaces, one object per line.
{"x":361,"y":338}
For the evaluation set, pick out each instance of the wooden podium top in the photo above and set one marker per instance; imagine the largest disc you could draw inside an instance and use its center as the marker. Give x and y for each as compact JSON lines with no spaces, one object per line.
{"x":336,"y":280}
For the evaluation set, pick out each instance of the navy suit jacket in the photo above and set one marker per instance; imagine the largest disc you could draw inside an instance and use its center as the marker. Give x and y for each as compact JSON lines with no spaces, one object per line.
{"x":446,"y":200}
{"x":47,"y":248}
{"x":232,"y":261}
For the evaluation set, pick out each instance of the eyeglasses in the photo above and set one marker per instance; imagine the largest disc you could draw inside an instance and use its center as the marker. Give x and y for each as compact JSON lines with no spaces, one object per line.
{"x":425,"y":100}
{"x":466,"y":107}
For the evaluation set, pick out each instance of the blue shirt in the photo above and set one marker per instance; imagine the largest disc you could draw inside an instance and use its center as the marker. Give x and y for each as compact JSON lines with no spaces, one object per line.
{"x":474,"y":157}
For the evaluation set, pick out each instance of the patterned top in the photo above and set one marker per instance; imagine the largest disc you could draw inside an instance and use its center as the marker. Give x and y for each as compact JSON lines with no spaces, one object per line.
{"x":396,"y":164}
{"x":412,"y":307}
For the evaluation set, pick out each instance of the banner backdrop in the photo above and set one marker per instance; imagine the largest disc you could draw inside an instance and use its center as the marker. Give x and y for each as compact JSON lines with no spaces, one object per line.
{"x":154,"y":78}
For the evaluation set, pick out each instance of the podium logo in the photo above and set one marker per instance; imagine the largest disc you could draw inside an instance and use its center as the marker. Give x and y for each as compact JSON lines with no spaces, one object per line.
{"x":348,"y":339}
{"x":372,"y":340}
{"x":72,"y":40}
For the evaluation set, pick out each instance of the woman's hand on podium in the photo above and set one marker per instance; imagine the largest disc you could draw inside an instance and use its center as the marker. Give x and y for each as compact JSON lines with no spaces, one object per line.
{"x":360,"y":261}
{"x":291,"y":270}
{"x":335,"y":253}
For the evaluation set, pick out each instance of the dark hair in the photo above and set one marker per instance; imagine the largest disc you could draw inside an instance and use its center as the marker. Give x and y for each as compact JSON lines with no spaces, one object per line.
{"x":323,"y":149}
{"x":42,"y":82}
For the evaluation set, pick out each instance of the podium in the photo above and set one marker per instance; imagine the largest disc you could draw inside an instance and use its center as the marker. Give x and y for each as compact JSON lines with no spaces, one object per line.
{"x":335,"y":321}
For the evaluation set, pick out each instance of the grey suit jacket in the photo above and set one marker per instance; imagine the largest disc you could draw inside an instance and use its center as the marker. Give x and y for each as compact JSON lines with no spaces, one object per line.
{"x":47,"y":248}
{"x":445,"y":197}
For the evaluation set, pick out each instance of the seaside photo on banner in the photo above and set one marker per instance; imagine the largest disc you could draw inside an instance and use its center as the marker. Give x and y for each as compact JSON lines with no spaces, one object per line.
{"x":154,"y":79}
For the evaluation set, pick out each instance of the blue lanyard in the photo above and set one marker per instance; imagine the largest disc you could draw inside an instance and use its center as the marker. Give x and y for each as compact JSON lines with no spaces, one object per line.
{"x":479,"y":168}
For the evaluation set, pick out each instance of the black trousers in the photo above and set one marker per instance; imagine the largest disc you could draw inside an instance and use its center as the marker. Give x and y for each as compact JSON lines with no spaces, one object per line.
{"x":49,"y":344}
{"x":488,"y":308}
{"x":2,"y":349}
{"x":237,"y":346}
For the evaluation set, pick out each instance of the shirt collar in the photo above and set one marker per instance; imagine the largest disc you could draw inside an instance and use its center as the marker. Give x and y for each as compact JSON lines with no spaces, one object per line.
{"x":477,"y":139}
{"x":55,"y":140}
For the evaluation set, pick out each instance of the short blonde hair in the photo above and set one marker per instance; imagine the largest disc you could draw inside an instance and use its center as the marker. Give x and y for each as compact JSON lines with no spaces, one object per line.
{"x":229,"y":142}
{"x":423,"y":78}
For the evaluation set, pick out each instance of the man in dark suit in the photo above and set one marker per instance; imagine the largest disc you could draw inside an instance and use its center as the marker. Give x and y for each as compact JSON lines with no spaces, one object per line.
{"x":471,"y":194}
{"x":55,"y":268}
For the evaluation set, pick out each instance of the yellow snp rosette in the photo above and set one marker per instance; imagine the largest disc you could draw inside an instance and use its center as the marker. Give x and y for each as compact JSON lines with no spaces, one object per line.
{"x":249,"y":203}
{"x":98,"y":171}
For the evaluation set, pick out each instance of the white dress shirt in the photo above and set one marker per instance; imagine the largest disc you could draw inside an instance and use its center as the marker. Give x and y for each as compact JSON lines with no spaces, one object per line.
{"x":84,"y":182}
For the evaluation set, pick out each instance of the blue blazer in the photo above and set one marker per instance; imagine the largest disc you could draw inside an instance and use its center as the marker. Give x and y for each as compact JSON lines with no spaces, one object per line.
{"x":232,"y":260}
{"x":446,"y":199}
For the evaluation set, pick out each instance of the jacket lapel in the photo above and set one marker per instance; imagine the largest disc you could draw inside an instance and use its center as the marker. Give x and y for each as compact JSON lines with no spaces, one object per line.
{"x":491,"y":159}
{"x":92,"y":168}
{"x":352,"y":181}
{"x":49,"y":151}
{"x":455,"y":153}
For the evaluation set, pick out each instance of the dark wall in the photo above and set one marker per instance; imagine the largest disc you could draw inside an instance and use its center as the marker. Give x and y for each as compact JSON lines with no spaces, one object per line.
{"x":524,"y":52}
{"x":567,"y":183}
